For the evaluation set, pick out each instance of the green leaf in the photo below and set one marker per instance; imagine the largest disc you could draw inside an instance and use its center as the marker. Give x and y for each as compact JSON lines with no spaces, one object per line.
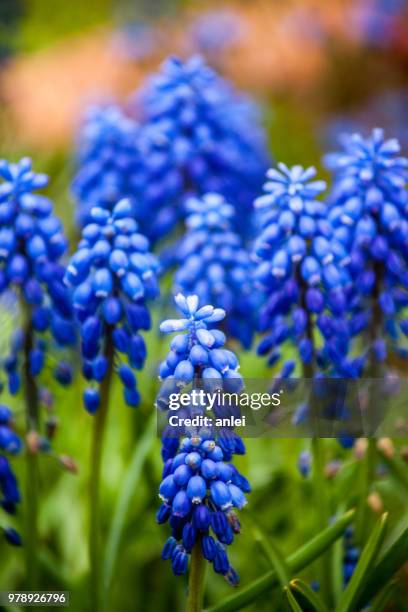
{"x":350,"y":595}
{"x":273,"y":554}
{"x":124,"y":500}
{"x":307,"y":598}
{"x":295,"y":562}
{"x":390,"y":562}
{"x":292,"y":601}
{"x":337,"y":564}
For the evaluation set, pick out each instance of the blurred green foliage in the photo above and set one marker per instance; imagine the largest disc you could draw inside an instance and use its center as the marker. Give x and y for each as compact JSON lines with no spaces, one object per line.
{"x":281,"y":505}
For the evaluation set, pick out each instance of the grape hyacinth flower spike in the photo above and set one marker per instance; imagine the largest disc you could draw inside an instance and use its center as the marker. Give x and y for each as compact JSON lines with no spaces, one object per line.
{"x":10,"y":497}
{"x":302,"y":271}
{"x":214,"y":265}
{"x":202,"y":136}
{"x":31,"y":246}
{"x":369,"y":211}
{"x":201,"y":488}
{"x":112,"y":275}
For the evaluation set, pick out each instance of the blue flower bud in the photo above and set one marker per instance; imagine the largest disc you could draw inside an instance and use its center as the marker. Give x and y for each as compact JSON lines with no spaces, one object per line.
{"x":179,"y":344}
{"x":127,"y":376}
{"x":181,"y":504}
{"x":189,"y":536}
{"x":132,"y":286}
{"x":209,"y":469}
{"x":36,"y":361}
{"x":196,"y":489}
{"x":182,"y":475}
{"x":311,"y":271}
{"x":179,"y":563}
{"x":132,"y":397}
{"x":5,"y":416}
{"x":198,"y":355}
{"x":202,"y":517}
{"x":169,"y":548}
{"x":221,"y":563}
{"x":193,"y":460}
{"x":184,"y":373}
{"x":17,"y":269}
{"x":168,"y":489}
{"x":91,"y":400}
{"x":220,"y":494}
{"x":208,"y":547}
{"x":220,"y":360}
{"x":118,"y":262}
{"x":224,"y":471}
{"x":112,"y":310}
{"x":120,"y":339}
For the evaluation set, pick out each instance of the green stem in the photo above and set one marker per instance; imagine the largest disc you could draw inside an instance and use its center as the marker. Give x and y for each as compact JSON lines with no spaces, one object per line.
{"x":319,"y":481}
{"x":99,"y":426}
{"x":31,"y":400}
{"x":196,"y":580}
{"x":322,"y":512}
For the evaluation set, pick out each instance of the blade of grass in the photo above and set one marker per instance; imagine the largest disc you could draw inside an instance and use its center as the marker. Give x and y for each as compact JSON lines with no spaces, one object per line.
{"x":351,"y":594}
{"x":390,"y":562}
{"x":296,"y":562}
{"x":307,"y":598}
{"x":272,"y":552}
{"x":124,"y":499}
{"x":337,"y":564}
{"x":292,"y":601}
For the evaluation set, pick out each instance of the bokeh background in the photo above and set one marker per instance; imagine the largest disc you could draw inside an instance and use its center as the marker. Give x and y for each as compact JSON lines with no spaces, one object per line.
{"x":316,"y":68}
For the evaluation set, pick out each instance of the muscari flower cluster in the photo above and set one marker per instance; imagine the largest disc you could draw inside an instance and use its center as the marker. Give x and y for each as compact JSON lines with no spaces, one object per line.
{"x":201,"y":488}
{"x":208,"y":136}
{"x":369,"y":214}
{"x":213,"y":264}
{"x":112,"y":274}
{"x":117,"y":159}
{"x":302,"y":270}
{"x":31,"y":246}
{"x":10,"y":443}
{"x":195,"y":135}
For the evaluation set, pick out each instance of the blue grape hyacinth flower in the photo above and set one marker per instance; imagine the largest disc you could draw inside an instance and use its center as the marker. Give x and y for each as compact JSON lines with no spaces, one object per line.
{"x":118,"y":158}
{"x":208,"y":136}
{"x":302,"y":269}
{"x":32,"y":244}
{"x":10,"y":497}
{"x":369,"y":214}
{"x":112,"y":275}
{"x":201,"y":489}
{"x":214,"y":265}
